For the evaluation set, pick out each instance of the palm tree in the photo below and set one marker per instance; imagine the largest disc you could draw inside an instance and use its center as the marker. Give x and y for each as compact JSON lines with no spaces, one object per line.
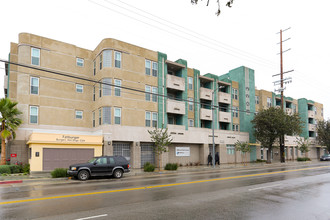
{"x":9,"y":123}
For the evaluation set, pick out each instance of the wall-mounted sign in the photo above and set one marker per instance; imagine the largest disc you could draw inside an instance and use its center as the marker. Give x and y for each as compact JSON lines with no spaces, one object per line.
{"x":13,"y":155}
{"x":182,"y":151}
{"x":69,"y":138}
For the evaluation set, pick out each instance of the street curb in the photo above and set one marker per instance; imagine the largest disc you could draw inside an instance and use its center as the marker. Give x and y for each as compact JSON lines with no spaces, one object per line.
{"x":11,"y":181}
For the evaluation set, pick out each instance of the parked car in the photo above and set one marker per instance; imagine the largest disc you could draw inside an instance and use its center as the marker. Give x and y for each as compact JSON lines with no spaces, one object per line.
{"x":114,"y":166}
{"x":325,"y":157}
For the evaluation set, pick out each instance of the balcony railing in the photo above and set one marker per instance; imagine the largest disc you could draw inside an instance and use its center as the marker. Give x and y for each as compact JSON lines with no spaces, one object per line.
{"x":175,"y":107}
{"x":206,"y":114}
{"x":175,"y":82}
{"x":224,"y":97}
{"x":225,"y":117}
{"x":311,"y":114}
{"x":205,"y":93}
{"x":311,"y":127}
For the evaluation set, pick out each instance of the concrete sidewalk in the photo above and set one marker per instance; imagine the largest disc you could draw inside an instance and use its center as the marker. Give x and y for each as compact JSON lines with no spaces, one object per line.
{"x":46,"y":176}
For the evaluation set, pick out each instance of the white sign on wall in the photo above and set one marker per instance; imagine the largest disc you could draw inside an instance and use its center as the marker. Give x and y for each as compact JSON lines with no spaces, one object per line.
{"x":182,"y":151}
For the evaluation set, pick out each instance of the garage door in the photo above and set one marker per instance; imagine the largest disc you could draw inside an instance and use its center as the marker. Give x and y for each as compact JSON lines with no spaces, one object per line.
{"x":63,"y":158}
{"x":122,"y":149}
{"x":147,"y":153}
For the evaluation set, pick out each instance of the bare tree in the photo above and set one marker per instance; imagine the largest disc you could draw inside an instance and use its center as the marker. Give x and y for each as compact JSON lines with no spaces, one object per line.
{"x":228,"y":4}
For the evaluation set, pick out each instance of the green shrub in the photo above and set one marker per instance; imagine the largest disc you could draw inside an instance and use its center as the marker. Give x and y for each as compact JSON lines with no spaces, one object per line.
{"x":260,"y":161}
{"x":148,"y":167}
{"x":5,"y":169}
{"x":303,"y":159}
{"x":26,"y":168}
{"x":59,"y":172}
{"x":171,"y":166}
{"x":14,"y":168}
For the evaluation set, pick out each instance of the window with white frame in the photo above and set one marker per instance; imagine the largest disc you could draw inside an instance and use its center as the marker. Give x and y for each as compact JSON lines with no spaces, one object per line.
{"x":190,"y":83}
{"x":235,"y":127}
{"x":93,"y":119}
{"x":34,"y":88}
{"x":235,"y":94}
{"x":79,"y":88}
{"x":147,"y":89}
{"x":117,"y":116}
{"x":154,"y":69}
{"x":230,"y":149}
{"x":257,"y":99}
{"x":35,"y":56}
{"x":117,"y":87}
{"x":191,"y":123}
{"x":106,"y":110}
{"x":106,"y":86}
{"x":100,"y":116}
{"x":117,"y":59}
{"x":148,"y":119}
{"x":79,"y":114}
{"x":93,"y":93}
{"x":148,"y":67}
{"x":34,"y":112}
{"x":154,"y":94}
{"x":80,"y":62}
{"x":269,"y":102}
{"x":154,"y":119}
{"x":262,"y":153}
{"x":190,"y":104}
{"x":235,"y":112}
{"x":107,"y":58}
{"x":94,"y":67}
{"x":101,"y":61}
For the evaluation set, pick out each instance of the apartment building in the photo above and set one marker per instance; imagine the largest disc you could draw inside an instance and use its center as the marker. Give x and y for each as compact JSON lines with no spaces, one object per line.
{"x":79,"y":103}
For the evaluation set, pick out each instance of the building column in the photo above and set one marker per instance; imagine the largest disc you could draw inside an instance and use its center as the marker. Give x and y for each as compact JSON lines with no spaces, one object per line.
{"x":203,"y":153}
{"x":107,"y":146}
{"x":136,"y":155}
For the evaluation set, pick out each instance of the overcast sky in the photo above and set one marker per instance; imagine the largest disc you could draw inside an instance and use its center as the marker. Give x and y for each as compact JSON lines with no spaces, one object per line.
{"x":242,"y":35}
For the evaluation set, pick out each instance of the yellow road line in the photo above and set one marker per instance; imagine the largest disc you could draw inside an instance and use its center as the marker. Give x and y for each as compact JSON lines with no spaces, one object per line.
{"x":158,"y":186}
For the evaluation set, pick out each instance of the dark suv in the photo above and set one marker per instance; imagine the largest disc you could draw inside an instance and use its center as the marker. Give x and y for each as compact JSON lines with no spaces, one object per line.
{"x":100,"y":166}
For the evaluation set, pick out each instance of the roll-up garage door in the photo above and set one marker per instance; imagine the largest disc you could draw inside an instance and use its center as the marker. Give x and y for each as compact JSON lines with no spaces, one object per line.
{"x":64,"y":157}
{"x":147,"y":153}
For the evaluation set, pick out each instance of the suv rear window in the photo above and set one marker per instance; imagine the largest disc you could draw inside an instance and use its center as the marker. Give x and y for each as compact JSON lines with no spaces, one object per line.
{"x":121,"y":159}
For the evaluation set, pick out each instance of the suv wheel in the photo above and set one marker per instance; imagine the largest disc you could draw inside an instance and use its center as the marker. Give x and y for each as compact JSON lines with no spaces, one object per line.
{"x":83,"y":175}
{"x":118,"y":173}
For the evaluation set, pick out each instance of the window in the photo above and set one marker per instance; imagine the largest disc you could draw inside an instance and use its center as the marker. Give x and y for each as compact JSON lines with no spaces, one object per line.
{"x":190,"y":104}
{"x":94,"y":119}
{"x":106,"y":115}
{"x":148,"y":119}
{"x":148,"y":67}
{"x":35,"y":56}
{"x":34,"y":85}
{"x":235,"y":112}
{"x":106,"y":84}
{"x":235,"y":127}
{"x":294,"y":108}
{"x":154,"y":91}
{"x":269,"y":102}
{"x":94,"y":68}
{"x":101,"y":60}
{"x":322,"y":112}
{"x":100,"y":116}
{"x":34,"y":114}
{"x":190,"y":83}
{"x":94,"y":93}
{"x":107,"y":58}
{"x":100,"y":90}
{"x":230,"y":149}
{"x":117,"y":59}
{"x":117,"y":87}
{"x":80,"y":62}
{"x":235,"y":94}
{"x":257,"y":100}
{"x":315,"y":109}
{"x":117,"y":116}
{"x":154,"y":69}
{"x":154,"y":119}
{"x":262,"y":153}
{"x":79,"y":114}
{"x":191,"y":122}
{"x":79,"y":88}
{"x":148,"y":88}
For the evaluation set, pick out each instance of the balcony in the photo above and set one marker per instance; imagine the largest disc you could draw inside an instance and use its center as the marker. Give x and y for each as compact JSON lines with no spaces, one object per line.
{"x":224,"y":97}
{"x":5,"y":82}
{"x":289,"y":111}
{"x":311,"y":114}
{"x":205,"y":93}
{"x":175,"y":107}
{"x":206,"y":114}
{"x":225,"y":117}
{"x":311,"y":127}
{"x":175,"y":82}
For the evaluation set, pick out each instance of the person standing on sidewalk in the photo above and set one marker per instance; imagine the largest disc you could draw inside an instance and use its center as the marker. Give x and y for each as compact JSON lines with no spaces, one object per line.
{"x":217,"y":158}
{"x":209,"y":159}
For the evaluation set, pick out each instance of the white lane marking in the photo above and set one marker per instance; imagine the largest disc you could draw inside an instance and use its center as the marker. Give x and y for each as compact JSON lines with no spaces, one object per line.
{"x":96,"y":216}
{"x":264,"y":187}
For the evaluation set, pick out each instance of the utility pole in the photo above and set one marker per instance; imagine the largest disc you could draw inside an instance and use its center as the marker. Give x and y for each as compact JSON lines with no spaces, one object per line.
{"x":282,"y":81}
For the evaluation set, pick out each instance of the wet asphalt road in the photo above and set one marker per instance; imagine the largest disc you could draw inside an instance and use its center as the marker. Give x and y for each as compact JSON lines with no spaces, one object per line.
{"x":301,"y":192}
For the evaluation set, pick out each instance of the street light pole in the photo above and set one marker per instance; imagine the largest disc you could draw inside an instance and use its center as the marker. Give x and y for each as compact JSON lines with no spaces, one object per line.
{"x":213,"y":149}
